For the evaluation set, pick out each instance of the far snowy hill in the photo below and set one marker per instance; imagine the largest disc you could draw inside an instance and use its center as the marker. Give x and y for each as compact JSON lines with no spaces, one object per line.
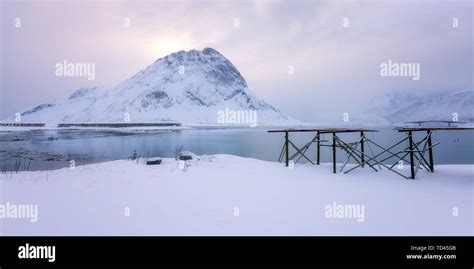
{"x":386,"y":104}
{"x":189,"y":87}
{"x":399,"y":107}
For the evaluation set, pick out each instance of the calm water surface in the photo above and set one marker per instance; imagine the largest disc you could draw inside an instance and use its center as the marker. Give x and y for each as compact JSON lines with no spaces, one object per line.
{"x":52,"y":149}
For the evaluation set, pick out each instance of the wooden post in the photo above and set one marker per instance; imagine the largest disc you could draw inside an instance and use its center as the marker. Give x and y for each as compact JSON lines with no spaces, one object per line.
{"x":410,"y":146}
{"x":362,"y":147}
{"x":318,"y":148}
{"x":334,"y":153}
{"x":430,"y":151}
{"x":286,"y":148}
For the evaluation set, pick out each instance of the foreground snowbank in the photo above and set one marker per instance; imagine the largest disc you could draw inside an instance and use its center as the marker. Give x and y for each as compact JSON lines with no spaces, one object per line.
{"x":229,"y":195}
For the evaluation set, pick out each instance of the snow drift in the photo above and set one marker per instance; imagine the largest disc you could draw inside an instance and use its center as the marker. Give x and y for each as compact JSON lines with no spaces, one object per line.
{"x":231,"y":195}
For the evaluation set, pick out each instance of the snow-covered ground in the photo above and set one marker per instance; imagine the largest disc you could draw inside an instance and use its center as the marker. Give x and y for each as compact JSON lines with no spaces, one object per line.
{"x":230,"y":195}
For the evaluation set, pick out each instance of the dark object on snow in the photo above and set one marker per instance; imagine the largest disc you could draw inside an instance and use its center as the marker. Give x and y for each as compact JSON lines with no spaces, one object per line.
{"x":185,"y":157}
{"x":134,"y":156}
{"x":153,"y":162}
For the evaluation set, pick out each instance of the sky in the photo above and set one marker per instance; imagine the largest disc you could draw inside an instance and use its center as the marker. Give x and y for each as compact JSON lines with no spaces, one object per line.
{"x":335,"y":48}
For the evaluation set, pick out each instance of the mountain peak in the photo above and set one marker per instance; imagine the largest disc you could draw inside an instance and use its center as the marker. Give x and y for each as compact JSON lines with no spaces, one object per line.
{"x":186,"y":86}
{"x":207,"y":64}
{"x":209,"y":51}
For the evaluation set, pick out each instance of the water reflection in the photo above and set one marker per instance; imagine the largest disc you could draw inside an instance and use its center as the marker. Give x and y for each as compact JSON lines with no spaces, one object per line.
{"x":51,"y":149}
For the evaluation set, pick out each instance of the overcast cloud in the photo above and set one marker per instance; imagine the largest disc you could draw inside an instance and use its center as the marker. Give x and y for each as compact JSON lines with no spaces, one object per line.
{"x":337,"y":69}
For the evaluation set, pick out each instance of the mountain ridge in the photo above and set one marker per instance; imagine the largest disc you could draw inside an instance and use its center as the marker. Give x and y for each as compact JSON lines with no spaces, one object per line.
{"x":186,"y":86}
{"x":457,"y":104}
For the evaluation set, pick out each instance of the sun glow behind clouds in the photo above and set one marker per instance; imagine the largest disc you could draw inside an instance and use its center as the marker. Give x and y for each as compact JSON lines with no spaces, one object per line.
{"x":330,"y":61}
{"x":161,"y":46}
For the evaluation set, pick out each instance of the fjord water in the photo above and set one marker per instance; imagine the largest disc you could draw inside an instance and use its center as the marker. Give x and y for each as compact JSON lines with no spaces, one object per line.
{"x":52,"y":149}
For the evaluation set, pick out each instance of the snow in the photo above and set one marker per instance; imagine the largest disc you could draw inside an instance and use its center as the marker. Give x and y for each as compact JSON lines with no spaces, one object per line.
{"x":231,"y":195}
{"x":402,"y":107}
{"x":116,"y":129}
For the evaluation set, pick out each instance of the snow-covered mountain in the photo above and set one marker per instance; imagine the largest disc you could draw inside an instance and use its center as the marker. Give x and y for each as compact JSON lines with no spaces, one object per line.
{"x":401,"y":107}
{"x":191,"y":87}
